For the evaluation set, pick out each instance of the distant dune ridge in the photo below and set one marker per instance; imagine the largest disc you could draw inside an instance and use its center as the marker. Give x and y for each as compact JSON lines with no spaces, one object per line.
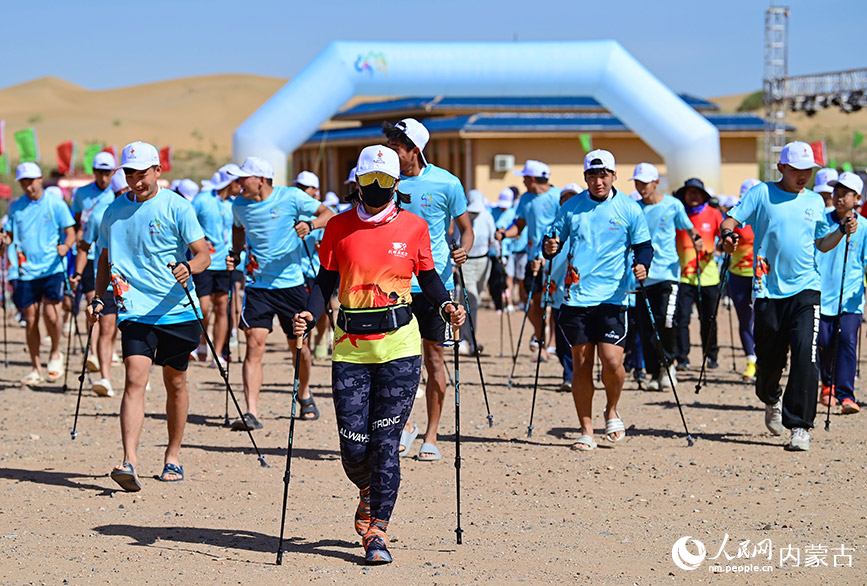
{"x":201,"y":113}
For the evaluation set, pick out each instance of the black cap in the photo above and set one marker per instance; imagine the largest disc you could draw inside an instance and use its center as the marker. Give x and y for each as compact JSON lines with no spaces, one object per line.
{"x":694,"y":182}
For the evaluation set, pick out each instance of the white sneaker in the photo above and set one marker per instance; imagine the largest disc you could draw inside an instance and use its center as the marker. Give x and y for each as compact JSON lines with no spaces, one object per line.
{"x":774,"y":419}
{"x":664,"y":381}
{"x":552,"y":350}
{"x":800,"y":441}
{"x":102,"y":387}
{"x":233,"y":342}
{"x":534,"y":343}
{"x":510,"y":308}
{"x":202,"y":353}
{"x":92,"y":363}
{"x":221,"y":360}
{"x":653,"y":384}
{"x":115,"y":359}
{"x":464,"y":348}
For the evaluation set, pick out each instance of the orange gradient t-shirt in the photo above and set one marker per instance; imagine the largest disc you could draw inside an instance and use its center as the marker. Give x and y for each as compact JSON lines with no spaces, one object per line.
{"x":376,"y":263}
{"x":706,"y":223}
{"x":742,"y":258}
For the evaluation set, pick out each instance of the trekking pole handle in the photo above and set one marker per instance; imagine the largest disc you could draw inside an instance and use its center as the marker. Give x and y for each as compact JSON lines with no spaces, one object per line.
{"x":172,"y":266}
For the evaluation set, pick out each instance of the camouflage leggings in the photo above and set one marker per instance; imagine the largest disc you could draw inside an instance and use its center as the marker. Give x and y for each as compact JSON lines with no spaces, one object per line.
{"x":373,"y":402}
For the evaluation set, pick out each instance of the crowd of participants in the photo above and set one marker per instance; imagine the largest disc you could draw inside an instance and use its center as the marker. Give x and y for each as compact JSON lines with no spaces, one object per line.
{"x":370,"y":277}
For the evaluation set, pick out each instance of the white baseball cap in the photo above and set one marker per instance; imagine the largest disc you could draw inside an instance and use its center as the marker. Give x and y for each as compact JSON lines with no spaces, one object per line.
{"x":824,"y":177}
{"x":599,"y":159}
{"x":534,"y":169}
{"x":747,"y":185}
{"x":254,"y":167}
{"x":188,"y":188}
{"x":331,"y":199}
{"x":54,"y":191}
{"x":799,"y":155}
{"x":475,"y":201}
{"x":416,"y":133}
{"x":507,"y":198}
{"x":573,"y":187}
{"x":104,"y":161}
{"x":850,"y":180}
{"x":644,"y":172}
{"x":118,"y":181}
{"x":351,"y":178}
{"x":139,"y":156}
{"x":378,"y":158}
{"x":28,"y":171}
{"x":223,"y":177}
{"x":307,"y":179}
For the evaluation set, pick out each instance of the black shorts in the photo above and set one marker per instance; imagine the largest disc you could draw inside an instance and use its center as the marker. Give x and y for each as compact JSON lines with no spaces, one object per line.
{"x":529,"y":281}
{"x":166,"y":345}
{"x":430,"y":323}
{"x":603,"y":323}
{"x":26,"y":293}
{"x":237,"y":276}
{"x":209,"y":282}
{"x":88,"y":282}
{"x":260,"y":306}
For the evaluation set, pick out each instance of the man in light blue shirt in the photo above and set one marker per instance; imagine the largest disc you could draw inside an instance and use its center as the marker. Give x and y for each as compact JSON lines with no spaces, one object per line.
{"x":145,"y":236}
{"x":601,"y":224}
{"x":32,"y":228}
{"x":84,"y":201}
{"x":789,"y":224}
{"x":268,"y":224}
{"x":513,"y":251}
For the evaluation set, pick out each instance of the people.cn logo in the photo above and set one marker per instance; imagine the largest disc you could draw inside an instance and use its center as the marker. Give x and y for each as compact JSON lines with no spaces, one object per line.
{"x":682,"y":557}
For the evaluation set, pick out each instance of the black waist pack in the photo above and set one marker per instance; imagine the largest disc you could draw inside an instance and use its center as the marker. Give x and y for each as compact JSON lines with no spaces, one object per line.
{"x":377,"y":320}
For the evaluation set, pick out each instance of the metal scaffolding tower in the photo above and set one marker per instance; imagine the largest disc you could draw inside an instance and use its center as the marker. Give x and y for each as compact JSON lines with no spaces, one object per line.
{"x":776,"y":71}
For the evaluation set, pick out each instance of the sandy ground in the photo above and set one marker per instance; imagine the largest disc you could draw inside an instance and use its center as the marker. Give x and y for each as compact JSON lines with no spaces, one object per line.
{"x":533,"y":510}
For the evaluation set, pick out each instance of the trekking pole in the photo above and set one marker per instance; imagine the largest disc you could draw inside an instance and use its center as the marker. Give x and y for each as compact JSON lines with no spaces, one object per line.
{"x":712,"y":325}
{"x":74,"y":432}
{"x":545,"y":280}
{"x":66,"y":369}
{"x":523,"y":323}
{"x":455,"y":343}
{"x":328,"y":309}
{"x":732,"y":334}
{"x":223,"y":372}
{"x":475,"y":343}
{"x":665,"y":362}
{"x":226,"y":421}
{"x":3,"y":271}
{"x":299,"y":342}
{"x":835,"y":344}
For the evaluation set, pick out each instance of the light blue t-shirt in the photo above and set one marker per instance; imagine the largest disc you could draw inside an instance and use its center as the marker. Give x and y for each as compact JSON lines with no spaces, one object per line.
{"x":663,"y":219}
{"x":309,"y":257}
{"x":831,"y":270}
{"x":91,"y":236}
{"x":215,"y":216}
{"x":85,"y":200}
{"x":504,"y":218}
{"x":601,"y":234}
{"x":437,"y":197}
{"x":539,"y":211}
{"x":273,"y":246}
{"x":559,"y":267}
{"x":142,"y":238}
{"x":786,"y":226}
{"x":35,"y":227}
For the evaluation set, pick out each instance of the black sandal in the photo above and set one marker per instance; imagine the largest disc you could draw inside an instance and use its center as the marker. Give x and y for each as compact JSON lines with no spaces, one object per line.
{"x":308,"y":407}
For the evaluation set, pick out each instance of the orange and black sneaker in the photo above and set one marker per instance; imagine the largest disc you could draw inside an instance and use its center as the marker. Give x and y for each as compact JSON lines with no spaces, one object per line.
{"x":849,"y":407}
{"x":362,"y":513}
{"x":376,"y":544}
{"x":828,"y":396}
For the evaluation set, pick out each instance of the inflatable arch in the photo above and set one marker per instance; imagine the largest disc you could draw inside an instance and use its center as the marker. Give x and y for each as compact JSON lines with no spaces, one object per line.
{"x":687,"y":142}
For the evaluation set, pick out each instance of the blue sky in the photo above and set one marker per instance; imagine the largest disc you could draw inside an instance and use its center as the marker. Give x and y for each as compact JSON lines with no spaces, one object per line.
{"x":699,"y":47}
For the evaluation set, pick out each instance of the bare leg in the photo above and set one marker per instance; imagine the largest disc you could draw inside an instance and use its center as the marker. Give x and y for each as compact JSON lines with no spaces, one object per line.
{"x":177,"y":406}
{"x":435,"y":391}
{"x":105,"y":344}
{"x":132,"y":409}
{"x":582,"y":385}
{"x":253,"y":367}
{"x":613,"y":375}
{"x":53,"y":326}
{"x":205,"y":304}
{"x":221,"y":320}
{"x":535,"y":317}
{"x":31,"y":318}
{"x":94,"y":340}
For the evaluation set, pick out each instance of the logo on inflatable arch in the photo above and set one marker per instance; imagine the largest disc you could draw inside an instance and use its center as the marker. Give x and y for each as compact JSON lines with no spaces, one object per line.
{"x":685,"y":560}
{"x":370,"y":62}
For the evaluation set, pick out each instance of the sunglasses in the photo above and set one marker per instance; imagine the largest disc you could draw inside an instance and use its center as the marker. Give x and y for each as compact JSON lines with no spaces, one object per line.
{"x":384,"y":180}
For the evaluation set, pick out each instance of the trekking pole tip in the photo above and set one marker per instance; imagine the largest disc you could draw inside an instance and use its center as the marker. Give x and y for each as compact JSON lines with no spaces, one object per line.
{"x":490,"y":420}
{"x":529,"y":431}
{"x":690,"y":441}
{"x":280,"y":558}
{"x":262,"y":461}
{"x":827,"y":425}
{"x":73,"y":434}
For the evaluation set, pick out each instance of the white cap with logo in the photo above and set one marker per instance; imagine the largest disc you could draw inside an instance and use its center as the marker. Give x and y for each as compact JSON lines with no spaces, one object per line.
{"x":747,"y":185}
{"x":599,"y":159}
{"x":118,"y":181}
{"x":104,"y":161}
{"x":415,"y":132}
{"x":225,"y":176}
{"x":507,"y":198}
{"x":378,"y":159}
{"x":851,"y":181}
{"x":645,"y":172}
{"x":824,"y":177}
{"x":534,"y":169}
{"x":307,"y":179}
{"x":139,"y":156}
{"x":254,"y":167}
{"x":799,"y":155}
{"x":27,"y":171}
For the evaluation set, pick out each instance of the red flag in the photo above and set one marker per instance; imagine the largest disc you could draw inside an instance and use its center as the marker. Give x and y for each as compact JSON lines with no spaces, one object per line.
{"x":5,"y":191}
{"x":166,"y":159}
{"x":65,"y":156}
{"x":819,"y":152}
{"x":110,"y":149}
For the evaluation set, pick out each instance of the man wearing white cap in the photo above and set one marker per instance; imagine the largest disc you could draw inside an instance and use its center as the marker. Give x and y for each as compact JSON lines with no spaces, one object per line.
{"x":536,"y":212}
{"x":214,"y":212}
{"x":789,"y":222}
{"x":437,"y":197}
{"x":601,"y":224}
{"x":664,"y":214}
{"x":267,"y":223}
{"x":840,"y":389}
{"x":513,"y":251}
{"x":144,"y":236}
{"x":824,"y":186}
{"x":34,"y":222}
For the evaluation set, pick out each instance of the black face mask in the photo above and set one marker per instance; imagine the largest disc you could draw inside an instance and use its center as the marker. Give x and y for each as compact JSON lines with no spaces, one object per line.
{"x":375,"y":196}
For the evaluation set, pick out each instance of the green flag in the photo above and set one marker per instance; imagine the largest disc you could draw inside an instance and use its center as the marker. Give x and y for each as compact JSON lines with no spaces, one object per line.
{"x":4,"y":164}
{"x":27,"y":148}
{"x":847,"y":167}
{"x":832,"y":163}
{"x":90,"y":151}
{"x":857,"y":139}
{"x":586,"y":142}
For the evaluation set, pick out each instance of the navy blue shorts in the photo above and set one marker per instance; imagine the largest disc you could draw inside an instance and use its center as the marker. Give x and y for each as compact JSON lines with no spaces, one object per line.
{"x":88,"y":280}
{"x":261,"y":305}
{"x":430,"y":322}
{"x":109,"y":305}
{"x":166,"y":345}
{"x":209,"y":282}
{"x":27,"y":293}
